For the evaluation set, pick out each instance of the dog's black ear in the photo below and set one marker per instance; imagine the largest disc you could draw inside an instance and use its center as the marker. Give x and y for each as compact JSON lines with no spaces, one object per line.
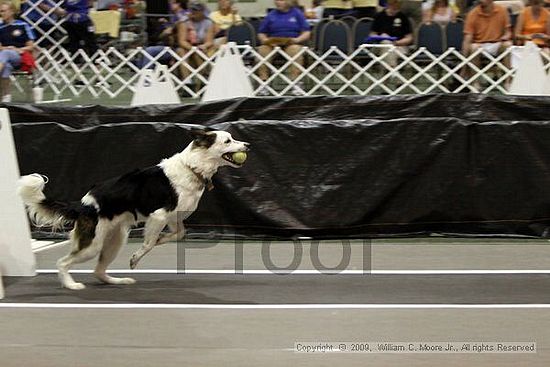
{"x":202,"y":138}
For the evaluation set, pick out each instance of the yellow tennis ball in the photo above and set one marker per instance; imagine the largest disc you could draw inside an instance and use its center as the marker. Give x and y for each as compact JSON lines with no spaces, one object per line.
{"x":239,"y":157}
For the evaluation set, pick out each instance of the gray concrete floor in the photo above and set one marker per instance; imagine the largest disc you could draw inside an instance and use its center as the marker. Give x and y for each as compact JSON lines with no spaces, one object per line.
{"x":266,"y":337}
{"x":381,"y":254}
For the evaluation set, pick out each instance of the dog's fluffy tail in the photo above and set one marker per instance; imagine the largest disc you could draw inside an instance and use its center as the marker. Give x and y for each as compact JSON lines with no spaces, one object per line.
{"x":44,"y":211}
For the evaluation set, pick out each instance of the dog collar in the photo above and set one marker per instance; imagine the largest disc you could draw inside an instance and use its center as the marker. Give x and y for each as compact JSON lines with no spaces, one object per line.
{"x":207,"y":182}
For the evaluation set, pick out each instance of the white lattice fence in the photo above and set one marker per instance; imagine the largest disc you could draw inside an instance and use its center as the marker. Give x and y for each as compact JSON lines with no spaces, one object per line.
{"x":46,"y":25}
{"x":368,"y":70}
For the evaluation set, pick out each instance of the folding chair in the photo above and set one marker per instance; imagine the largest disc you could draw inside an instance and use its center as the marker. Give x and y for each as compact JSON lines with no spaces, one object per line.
{"x":255,"y":23}
{"x":454,"y":35}
{"x":349,"y":20}
{"x":430,"y":36}
{"x":317,"y":30}
{"x":335,"y":33}
{"x":242,"y":34}
{"x":22,"y":78}
{"x":361,"y":30}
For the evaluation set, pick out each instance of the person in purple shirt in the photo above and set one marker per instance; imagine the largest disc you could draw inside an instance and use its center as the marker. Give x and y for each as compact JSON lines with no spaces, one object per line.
{"x":78,"y":25}
{"x":286,"y":27}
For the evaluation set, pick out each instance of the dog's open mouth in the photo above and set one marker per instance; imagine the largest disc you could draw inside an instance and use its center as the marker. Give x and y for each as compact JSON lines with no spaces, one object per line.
{"x":229,"y":157}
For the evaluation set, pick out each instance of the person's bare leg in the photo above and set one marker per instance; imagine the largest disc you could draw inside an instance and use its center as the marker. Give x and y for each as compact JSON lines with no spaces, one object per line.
{"x":5,"y":85}
{"x":292,"y":51}
{"x":184,"y":70}
{"x":263,"y":71}
{"x":197,"y":61}
{"x":466,"y":72}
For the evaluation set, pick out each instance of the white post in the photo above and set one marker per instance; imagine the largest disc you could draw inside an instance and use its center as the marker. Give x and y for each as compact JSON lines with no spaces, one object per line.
{"x":16,"y":257}
{"x":155,"y":87}
{"x":1,"y":287}
{"x":228,"y":78}
{"x":530,"y":74}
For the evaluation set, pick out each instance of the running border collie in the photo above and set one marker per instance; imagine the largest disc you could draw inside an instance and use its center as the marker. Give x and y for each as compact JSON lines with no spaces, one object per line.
{"x":154,"y":195}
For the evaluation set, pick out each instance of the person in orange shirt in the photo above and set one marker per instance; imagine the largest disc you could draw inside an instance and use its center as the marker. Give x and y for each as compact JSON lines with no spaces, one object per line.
{"x":533,"y":24}
{"x":488,"y":27}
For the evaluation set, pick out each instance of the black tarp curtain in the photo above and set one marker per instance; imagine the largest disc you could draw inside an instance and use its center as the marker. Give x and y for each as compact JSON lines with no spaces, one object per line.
{"x":327,"y":167}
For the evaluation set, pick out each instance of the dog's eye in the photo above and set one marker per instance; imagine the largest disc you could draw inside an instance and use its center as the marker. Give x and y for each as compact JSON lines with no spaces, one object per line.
{"x":227,"y":141}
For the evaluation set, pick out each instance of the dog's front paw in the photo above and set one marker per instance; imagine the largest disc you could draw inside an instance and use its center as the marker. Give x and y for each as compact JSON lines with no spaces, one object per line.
{"x":134,"y":260}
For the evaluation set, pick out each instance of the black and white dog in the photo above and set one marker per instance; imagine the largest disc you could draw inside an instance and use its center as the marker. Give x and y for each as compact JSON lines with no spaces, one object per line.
{"x":154,"y":195}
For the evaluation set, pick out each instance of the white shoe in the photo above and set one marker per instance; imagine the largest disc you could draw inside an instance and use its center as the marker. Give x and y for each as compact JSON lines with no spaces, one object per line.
{"x":262,"y":92}
{"x":6,"y":98}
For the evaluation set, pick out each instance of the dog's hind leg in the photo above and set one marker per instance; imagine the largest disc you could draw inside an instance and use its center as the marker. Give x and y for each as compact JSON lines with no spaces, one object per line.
{"x":84,"y":249}
{"x":109,"y":252}
{"x":153,"y":227}
{"x":177,"y":232}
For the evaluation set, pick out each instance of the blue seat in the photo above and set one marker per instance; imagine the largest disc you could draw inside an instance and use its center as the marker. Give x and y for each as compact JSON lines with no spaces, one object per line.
{"x":454,"y":32}
{"x":317,"y":30}
{"x":430,"y":36}
{"x":349,"y":20}
{"x":242,"y":34}
{"x":335,"y":33}
{"x":361,"y":31}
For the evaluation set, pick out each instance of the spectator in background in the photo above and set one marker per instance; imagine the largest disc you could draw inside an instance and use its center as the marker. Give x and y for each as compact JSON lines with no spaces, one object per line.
{"x":440,"y":12}
{"x":223,"y":18}
{"x":533,"y":24}
{"x":465,"y":6}
{"x":196,"y":31}
{"x":79,"y":26}
{"x":180,"y":11}
{"x":16,"y":38}
{"x":167,"y":37}
{"x":41,"y":17}
{"x":365,"y":8}
{"x":337,"y":8}
{"x":488,"y":27}
{"x":287,"y":27}
{"x":392,"y":24}
{"x":315,"y":13}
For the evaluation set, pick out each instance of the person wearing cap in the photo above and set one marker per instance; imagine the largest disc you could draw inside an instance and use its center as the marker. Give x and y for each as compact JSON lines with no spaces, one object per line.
{"x":287,"y":27}
{"x":196,"y":31}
